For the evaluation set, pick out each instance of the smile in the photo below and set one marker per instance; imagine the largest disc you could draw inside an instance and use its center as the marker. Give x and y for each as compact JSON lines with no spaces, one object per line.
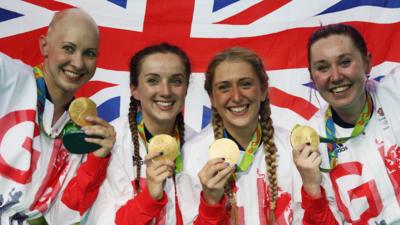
{"x":340,"y":89}
{"x":164,"y":103}
{"x":72,"y":74}
{"x":238,"y":109}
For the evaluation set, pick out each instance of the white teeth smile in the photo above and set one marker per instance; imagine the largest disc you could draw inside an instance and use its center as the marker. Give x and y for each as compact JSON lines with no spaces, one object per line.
{"x":340,"y":89}
{"x":238,"y":109}
{"x":71,"y":74}
{"x":164,"y":103}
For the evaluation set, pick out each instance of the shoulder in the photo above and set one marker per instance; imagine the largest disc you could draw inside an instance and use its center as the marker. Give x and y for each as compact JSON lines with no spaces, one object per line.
{"x":13,"y":69}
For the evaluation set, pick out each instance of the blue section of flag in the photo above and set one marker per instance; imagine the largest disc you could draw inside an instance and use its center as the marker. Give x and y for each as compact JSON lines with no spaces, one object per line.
{"x":378,"y":78}
{"x":206,"y":117}
{"x":110,"y":109}
{"x":8,"y":15}
{"x":348,"y":4}
{"x":121,"y":3}
{"x":219,"y":4}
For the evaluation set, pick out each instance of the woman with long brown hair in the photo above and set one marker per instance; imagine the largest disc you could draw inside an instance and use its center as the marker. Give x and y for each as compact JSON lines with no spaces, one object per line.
{"x":138,"y":189}
{"x":258,"y":190}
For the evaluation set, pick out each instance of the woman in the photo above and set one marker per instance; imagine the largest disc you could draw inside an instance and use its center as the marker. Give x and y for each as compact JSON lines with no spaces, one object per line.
{"x":262,"y":191}
{"x":363,"y":130}
{"x":137,"y":189}
{"x":38,"y":176}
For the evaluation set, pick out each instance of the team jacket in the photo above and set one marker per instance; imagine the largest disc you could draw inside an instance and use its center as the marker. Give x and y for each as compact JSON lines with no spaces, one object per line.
{"x":37,"y":174}
{"x":364,"y":188}
{"x":118,"y":202}
{"x":251,"y":196}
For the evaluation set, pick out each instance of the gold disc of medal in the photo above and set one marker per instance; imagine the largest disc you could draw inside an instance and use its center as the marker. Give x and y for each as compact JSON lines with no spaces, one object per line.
{"x":80,"y":108}
{"x":166,"y":144}
{"x":303,"y":134}
{"x":225,"y":148}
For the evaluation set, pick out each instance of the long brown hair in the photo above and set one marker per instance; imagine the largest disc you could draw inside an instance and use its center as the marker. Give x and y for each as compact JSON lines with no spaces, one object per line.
{"x":134,"y":105}
{"x":245,"y":55}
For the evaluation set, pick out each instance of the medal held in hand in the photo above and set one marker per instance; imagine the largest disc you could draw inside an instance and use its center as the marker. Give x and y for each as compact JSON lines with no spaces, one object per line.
{"x":165,"y":144}
{"x":225,"y":148}
{"x":304,"y":135}
{"x":74,"y":137}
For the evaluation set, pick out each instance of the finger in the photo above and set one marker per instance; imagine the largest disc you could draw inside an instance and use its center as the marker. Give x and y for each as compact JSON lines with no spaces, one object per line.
{"x":97,"y":120}
{"x":214,"y":169}
{"x":152,"y":155}
{"x":220,"y":179}
{"x":104,"y":143}
{"x":158,"y":173}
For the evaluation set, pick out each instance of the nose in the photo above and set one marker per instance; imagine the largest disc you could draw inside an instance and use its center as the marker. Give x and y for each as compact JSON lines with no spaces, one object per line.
{"x":165,"y":89}
{"x":77,"y":60}
{"x":235,"y":94}
{"x":336,"y":75}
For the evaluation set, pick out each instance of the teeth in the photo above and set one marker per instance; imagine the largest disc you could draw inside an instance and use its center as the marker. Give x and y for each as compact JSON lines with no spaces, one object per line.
{"x":238,"y":109}
{"x":164,"y":103}
{"x":71,"y":74}
{"x":340,"y":89}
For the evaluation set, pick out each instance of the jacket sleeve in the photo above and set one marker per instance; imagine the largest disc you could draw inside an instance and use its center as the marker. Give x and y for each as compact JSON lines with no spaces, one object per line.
{"x":140,"y":210}
{"x":212,"y":214}
{"x":316,"y":210}
{"x":82,"y":190}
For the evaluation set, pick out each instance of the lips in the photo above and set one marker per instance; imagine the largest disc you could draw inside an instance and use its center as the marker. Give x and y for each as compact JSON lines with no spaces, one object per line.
{"x":238,"y":109}
{"x":164,"y":103}
{"x":72,"y":76}
{"x":340,"y":89}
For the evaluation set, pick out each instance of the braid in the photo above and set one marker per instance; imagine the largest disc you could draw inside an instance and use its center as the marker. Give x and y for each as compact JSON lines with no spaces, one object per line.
{"x":180,"y":123}
{"x":270,"y":154}
{"x":217,"y":125}
{"x":133,"y":108}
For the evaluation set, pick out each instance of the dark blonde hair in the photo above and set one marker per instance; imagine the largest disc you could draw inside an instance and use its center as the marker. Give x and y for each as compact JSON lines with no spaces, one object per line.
{"x":236,"y":54}
{"x":135,"y":69}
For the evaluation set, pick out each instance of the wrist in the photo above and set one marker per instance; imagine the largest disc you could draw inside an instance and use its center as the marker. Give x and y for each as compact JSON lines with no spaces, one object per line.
{"x":313,"y":190}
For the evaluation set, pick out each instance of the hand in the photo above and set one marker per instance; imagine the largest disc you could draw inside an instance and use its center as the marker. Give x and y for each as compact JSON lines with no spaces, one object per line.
{"x":157,"y":173}
{"x":103,"y":129}
{"x":307,"y":161}
{"x":213,"y":177}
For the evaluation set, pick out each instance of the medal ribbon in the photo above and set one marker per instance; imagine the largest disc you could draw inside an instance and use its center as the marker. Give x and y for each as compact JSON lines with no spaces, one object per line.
{"x":251,"y":150}
{"x":178,"y":160}
{"x":331,"y":139}
{"x":41,"y":97}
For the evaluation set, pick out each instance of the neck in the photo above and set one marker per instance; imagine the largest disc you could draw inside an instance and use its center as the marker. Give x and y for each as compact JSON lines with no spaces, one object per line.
{"x":243,"y":135}
{"x":352,"y":114}
{"x":156,"y":128}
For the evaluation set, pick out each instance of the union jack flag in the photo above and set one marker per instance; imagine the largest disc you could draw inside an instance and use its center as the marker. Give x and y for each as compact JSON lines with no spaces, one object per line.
{"x":275,"y":29}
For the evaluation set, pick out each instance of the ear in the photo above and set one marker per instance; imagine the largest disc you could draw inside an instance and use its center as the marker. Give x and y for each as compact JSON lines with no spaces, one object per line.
{"x":135,"y":92}
{"x":43,"y":45}
{"x":368,"y":64}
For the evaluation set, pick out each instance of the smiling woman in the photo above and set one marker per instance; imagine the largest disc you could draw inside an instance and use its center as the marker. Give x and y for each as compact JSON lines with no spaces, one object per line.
{"x":362,"y":128}
{"x":260,"y":188}
{"x":140,"y":184}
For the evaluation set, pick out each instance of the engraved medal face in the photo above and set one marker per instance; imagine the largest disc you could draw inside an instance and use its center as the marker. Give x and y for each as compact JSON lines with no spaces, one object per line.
{"x":304,"y":134}
{"x":225,"y":148}
{"x":166,"y":144}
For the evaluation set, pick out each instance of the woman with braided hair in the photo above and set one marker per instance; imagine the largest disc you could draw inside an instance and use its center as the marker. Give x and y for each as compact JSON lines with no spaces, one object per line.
{"x":260,"y":190}
{"x":137,"y":189}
